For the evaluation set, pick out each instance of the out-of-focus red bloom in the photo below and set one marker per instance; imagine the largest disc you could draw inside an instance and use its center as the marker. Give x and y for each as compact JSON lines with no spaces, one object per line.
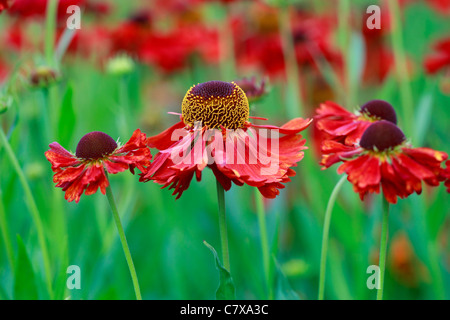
{"x":37,"y":8}
{"x":404,"y":262}
{"x":98,"y":8}
{"x":96,"y":154}
{"x":312,"y":41}
{"x":13,"y":38}
{"x":338,"y":124}
{"x":439,"y":59}
{"x":171,"y":51}
{"x":132,"y":34}
{"x":4,"y":4}
{"x":232,"y":149}
{"x":379,"y":59}
{"x":441,"y":6}
{"x":384,"y":159}
{"x":90,"y":41}
{"x":259,"y":43}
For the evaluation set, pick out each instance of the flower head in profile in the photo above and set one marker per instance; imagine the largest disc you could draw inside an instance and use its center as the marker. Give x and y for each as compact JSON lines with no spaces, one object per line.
{"x":384,"y":159}
{"x":96,"y":154}
{"x":338,"y":124}
{"x":215,"y":132}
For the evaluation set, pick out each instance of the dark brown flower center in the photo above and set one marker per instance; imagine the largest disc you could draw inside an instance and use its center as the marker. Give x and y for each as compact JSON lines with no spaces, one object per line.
{"x":216,"y":104}
{"x":379,"y":109}
{"x":95,"y":145}
{"x":382,"y":135}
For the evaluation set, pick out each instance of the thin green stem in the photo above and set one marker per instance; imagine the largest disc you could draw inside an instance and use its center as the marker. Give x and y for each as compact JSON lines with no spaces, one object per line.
{"x":223,"y":226}
{"x":264,"y":242}
{"x":383,"y":247}
{"x":401,"y":67}
{"x":50,"y":29}
{"x":325,"y":236}
{"x":6,"y":234}
{"x":33,"y":210}
{"x":124,"y":242}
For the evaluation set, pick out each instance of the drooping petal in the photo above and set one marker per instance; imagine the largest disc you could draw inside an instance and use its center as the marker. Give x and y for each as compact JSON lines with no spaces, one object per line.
{"x":60,"y":157}
{"x":166,"y":138}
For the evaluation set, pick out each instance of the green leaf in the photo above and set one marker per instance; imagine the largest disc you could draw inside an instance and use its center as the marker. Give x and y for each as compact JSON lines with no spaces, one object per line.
{"x":226,"y":290}
{"x":423,"y":117}
{"x":24,"y":283}
{"x":283,"y":288}
{"x":67,"y":117}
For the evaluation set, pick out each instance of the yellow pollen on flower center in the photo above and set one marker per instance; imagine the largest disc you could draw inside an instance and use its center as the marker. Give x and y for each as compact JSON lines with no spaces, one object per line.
{"x":216,"y":104}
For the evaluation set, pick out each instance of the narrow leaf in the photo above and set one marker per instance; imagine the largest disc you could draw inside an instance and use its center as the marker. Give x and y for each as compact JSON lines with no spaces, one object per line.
{"x":67,"y":117}
{"x":226,"y":290}
{"x":24,"y":283}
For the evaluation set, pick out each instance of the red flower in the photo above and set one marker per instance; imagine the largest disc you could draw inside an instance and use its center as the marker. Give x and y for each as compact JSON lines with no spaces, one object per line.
{"x":4,"y":4}
{"x":440,"y":58}
{"x":170,"y":51}
{"x":339,"y":124}
{"x":441,"y":6}
{"x":37,"y":8}
{"x":132,"y":34}
{"x":214,"y":132}
{"x":96,"y":152}
{"x":379,"y":58}
{"x":385,"y":159}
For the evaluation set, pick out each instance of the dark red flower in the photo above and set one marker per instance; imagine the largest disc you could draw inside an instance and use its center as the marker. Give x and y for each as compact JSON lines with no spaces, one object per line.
{"x":214,"y":132}
{"x":96,"y":152}
{"x":341,"y":125}
{"x":384,"y":159}
{"x":439,"y":59}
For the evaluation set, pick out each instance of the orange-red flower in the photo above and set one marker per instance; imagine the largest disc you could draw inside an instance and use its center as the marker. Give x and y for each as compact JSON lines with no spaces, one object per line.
{"x":214,"y":132}
{"x":384,"y":159}
{"x":96,"y":152}
{"x":440,"y":58}
{"x":341,"y":125}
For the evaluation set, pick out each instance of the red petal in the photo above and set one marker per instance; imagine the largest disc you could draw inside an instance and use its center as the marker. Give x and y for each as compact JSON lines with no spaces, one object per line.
{"x":60,"y":157}
{"x":164,"y":140}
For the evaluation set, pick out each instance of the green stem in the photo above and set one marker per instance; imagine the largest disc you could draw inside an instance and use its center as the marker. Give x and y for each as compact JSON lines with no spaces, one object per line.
{"x":325,"y":236}
{"x":33,"y":210}
{"x":50,"y":28}
{"x":6,"y":234}
{"x":123,"y":240}
{"x":383,"y":247}
{"x":264,"y":243}
{"x":401,"y":66}
{"x":223,"y":226}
